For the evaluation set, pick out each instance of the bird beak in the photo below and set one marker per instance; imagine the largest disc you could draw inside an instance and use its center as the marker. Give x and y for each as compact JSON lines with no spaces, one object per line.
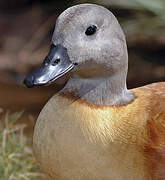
{"x":56,"y":64}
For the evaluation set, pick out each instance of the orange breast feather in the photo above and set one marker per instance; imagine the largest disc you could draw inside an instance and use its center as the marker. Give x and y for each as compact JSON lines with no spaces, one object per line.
{"x":154,"y":150}
{"x":145,"y":119}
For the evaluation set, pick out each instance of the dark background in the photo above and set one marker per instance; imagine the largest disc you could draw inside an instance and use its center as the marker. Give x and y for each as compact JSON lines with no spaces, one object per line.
{"x":26,"y":27}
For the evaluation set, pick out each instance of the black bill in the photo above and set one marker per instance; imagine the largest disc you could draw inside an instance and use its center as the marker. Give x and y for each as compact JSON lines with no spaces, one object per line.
{"x":55,"y":65}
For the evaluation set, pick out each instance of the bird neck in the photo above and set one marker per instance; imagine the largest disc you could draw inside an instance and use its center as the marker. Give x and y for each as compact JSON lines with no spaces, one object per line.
{"x":103,"y":91}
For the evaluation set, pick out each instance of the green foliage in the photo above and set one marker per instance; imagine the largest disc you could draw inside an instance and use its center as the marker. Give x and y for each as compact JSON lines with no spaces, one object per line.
{"x":149,"y":17}
{"x":157,"y":7}
{"x":16,"y":159}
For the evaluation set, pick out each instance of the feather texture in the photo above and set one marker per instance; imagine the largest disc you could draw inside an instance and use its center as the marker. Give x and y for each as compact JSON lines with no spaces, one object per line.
{"x":128,"y":140}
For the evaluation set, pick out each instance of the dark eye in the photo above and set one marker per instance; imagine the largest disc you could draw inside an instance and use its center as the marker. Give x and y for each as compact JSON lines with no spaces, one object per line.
{"x":90,"y":30}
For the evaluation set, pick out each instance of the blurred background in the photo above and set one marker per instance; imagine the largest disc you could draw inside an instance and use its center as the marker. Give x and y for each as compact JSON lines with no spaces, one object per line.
{"x":26,"y":27}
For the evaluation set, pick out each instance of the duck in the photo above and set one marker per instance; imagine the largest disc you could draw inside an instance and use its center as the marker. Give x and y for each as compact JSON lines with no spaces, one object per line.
{"x":95,"y":128}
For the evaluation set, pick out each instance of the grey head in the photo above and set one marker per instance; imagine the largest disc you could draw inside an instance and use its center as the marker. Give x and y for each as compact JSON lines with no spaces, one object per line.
{"x":106,"y":46}
{"x":89,"y":41}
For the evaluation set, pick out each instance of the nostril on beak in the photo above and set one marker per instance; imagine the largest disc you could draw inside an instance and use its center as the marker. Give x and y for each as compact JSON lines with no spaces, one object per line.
{"x":56,"y":61}
{"x":29,"y":81}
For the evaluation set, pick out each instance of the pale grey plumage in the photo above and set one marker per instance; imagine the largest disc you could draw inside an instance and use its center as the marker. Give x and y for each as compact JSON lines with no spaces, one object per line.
{"x":106,"y":48}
